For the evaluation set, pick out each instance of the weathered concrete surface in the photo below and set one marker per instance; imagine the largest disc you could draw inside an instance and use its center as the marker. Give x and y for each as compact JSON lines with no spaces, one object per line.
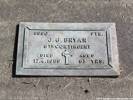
{"x":66,"y":88}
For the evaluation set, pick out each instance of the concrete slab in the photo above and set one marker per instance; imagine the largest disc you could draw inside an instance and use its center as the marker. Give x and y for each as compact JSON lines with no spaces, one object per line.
{"x":67,"y":49}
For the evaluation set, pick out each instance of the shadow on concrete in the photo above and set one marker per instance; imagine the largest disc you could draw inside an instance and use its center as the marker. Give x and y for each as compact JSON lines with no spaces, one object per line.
{"x":15,"y":52}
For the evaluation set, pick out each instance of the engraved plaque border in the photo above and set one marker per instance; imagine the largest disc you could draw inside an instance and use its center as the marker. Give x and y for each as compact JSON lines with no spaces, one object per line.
{"x":111,"y":41}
